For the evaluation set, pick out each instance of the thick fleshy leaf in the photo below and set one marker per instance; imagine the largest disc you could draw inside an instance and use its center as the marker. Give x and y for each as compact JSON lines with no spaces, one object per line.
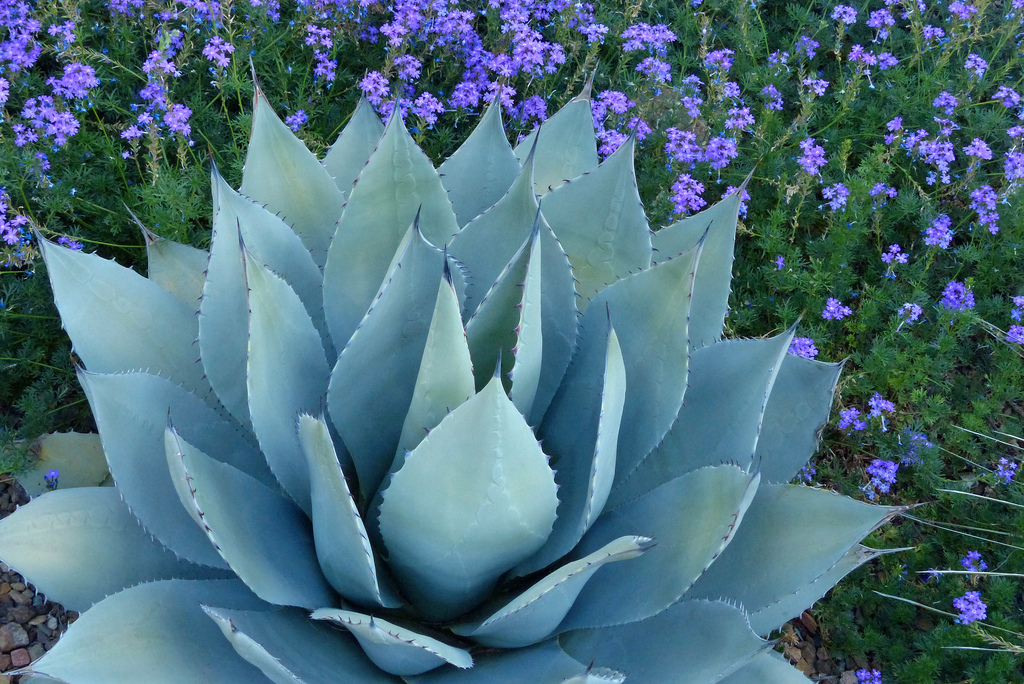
{"x":287,"y":375}
{"x":691,"y":519}
{"x":342,"y":547}
{"x":373,"y":381}
{"x":397,"y":185}
{"x":285,"y":176}
{"x":78,"y":457}
{"x":720,"y":420}
{"x":544,"y":663}
{"x":529,"y":350}
{"x":649,"y":310}
{"x":394,"y":649}
{"x":717,"y":226}
{"x":585,"y":461}
{"x":489,"y":242}
{"x":155,"y":330}
{"x":223,"y":319}
{"x":131,"y":411}
{"x":566,"y":146}
{"x":773,"y":616}
{"x":479,"y":173}
{"x":767,"y":666}
{"x":263,"y":536}
{"x":289,"y":648}
{"x":78,"y":546}
{"x":154,"y":633}
{"x":533,"y":615}
{"x":472,"y":500}
{"x":600,"y":221}
{"x":769,"y":561}
{"x":445,"y":378}
{"x":697,"y":642}
{"x":797,"y":411}
{"x":179,"y":269}
{"x":347,"y":156}
{"x":493,"y":330}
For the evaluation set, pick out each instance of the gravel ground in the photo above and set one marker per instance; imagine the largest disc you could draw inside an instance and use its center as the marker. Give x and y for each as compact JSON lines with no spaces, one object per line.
{"x":29,"y":624}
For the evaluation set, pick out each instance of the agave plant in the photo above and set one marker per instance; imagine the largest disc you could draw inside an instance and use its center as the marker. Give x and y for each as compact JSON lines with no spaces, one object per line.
{"x":468,"y":424}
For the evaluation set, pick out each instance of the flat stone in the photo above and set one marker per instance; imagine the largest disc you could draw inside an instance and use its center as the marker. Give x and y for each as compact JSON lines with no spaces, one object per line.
{"x":20,"y":658}
{"x":22,"y":598}
{"x":17,"y":586}
{"x":12,"y":636}
{"x":20,"y":614}
{"x":36,"y":651}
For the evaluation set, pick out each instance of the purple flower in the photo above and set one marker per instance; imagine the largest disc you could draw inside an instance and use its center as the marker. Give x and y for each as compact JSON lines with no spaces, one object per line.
{"x":962,"y":11}
{"x":1009,"y":97}
{"x":807,"y":473}
{"x":655,"y":69}
{"x":773,"y":97}
{"x":834,"y":309}
{"x":780,"y":262}
{"x":78,"y":79}
{"x":973,"y":561}
{"x":177,"y":118}
{"x":916,"y":440}
{"x":807,"y":46}
{"x":879,"y":405}
{"x":976,"y":65}
{"x":681,"y":146}
{"x":720,"y":151}
{"x":850,"y":416}
{"x":971,"y":608}
{"x":297,"y":120}
{"x":535,"y":108}
{"x":939,"y":233}
{"x":408,"y":67}
{"x":51,"y":478}
{"x":804,"y":346}
{"x":813,"y":157}
{"x":956,"y":297}
{"x":883,"y":476}
{"x":983,"y":201}
{"x":217,"y":51}
{"x":844,"y":14}
{"x":731,"y":90}
{"x":946,"y":101}
{"x":837,"y":195}
{"x":816,"y":85}
{"x":1018,"y":311}
{"x":642,"y":36}
{"x":886,"y":61}
{"x":895,"y":254}
{"x":719,"y":59}
{"x":1015,"y":334}
{"x":978,"y":148}
{"x":869,"y":677}
{"x":1006,"y":469}
{"x":376,"y":88}
{"x":686,"y":194}
{"x":881,"y":20}
{"x":739,"y":117}
{"x":933,"y":33}
{"x":883,"y":190}
{"x":615,"y":101}
{"x":427,"y":107}
{"x":69,"y":243}
{"x":744,"y":196}
{"x":909,"y":313}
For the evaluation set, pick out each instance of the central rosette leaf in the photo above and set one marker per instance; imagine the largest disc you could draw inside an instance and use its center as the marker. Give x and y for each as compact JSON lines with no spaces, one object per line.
{"x":471,"y":501}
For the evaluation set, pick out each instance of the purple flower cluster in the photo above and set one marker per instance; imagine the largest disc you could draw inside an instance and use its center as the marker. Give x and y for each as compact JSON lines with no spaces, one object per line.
{"x":976,"y":65}
{"x":971,"y":608}
{"x":836,"y":195}
{"x":972,"y":561}
{"x":682,"y":147}
{"x":946,"y":102}
{"x":813,"y":157}
{"x":865,"y":676}
{"x":686,"y":194}
{"x":13,"y":229}
{"x":915,"y":441}
{"x":894,"y":254}
{"x":834,"y":310}
{"x":851,"y":418}
{"x":844,"y":14}
{"x":909,"y":313}
{"x":1006,"y":469}
{"x":218,"y":51}
{"x":297,"y":120}
{"x":883,"y":477}
{"x":939,"y":233}
{"x":983,"y":201}
{"x":881,"y":190}
{"x":807,"y":473}
{"x":956,"y":297}
{"x":803,"y":346}
{"x":773,"y":98}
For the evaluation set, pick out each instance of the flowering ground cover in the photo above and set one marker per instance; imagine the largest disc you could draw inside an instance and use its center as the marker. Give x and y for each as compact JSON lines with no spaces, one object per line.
{"x":886,"y":146}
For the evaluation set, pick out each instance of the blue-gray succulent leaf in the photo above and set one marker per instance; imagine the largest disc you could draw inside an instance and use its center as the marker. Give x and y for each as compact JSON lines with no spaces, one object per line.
{"x":475,"y":498}
{"x":397,"y":184}
{"x":697,"y":642}
{"x":148,"y":633}
{"x":691,"y":520}
{"x":286,"y":374}
{"x":77,"y":457}
{"x":155,"y":330}
{"x":533,"y":615}
{"x":178,"y":268}
{"x":768,"y":561}
{"x":131,"y":412}
{"x":282,"y":174}
{"x":373,"y":381}
{"x":260,"y":533}
{"x":797,"y":412}
{"x":393,"y":648}
{"x":716,"y":225}
{"x":545,"y":663}
{"x":93,"y":547}
{"x":343,"y":548}
{"x":585,"y":463}
{"x":290,"y":648}
{"x":565,"y":146}
{"x":480,"y":172}
{"x":767,"y":666}
{"x":600,"y":222}
{"x":349,"y":153}
{"x":728,"y":387}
